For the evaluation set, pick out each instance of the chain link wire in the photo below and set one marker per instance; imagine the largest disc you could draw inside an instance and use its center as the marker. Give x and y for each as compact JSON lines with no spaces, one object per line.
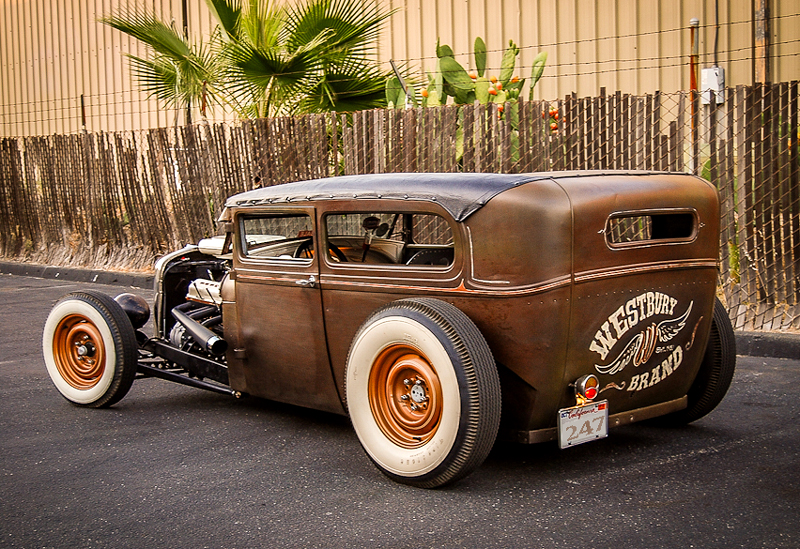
{"x":120,"y":199}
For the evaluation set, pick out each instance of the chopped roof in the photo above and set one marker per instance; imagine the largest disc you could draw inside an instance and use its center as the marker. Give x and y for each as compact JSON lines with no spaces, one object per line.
{"x":461,"y":194}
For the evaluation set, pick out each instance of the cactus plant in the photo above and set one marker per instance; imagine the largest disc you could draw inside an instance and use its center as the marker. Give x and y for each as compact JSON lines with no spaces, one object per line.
{"x":537,"y":70}
{"x":450,"y":79}
{"x":479,"y":51}
{"x":396,"y":98}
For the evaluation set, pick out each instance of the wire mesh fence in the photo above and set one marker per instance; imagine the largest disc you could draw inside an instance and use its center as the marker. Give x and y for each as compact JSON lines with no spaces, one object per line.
{"x":120,"y":199}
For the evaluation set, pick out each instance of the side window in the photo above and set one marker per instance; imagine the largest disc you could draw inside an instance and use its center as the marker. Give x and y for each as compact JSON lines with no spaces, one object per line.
{"x":632,"y":229}
{"x":277,"y":236}
{"x":389,"y":238}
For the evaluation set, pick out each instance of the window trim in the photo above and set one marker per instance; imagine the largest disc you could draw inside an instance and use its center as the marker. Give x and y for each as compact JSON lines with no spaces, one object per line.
{"x":393,"y":268}
{"x":296,"y":262}
{"x":696,"y":226}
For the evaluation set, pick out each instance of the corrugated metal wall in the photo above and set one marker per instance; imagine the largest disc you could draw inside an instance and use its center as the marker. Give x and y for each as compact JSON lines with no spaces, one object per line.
{"x":629,"y":45}
{"x":52,"y":53}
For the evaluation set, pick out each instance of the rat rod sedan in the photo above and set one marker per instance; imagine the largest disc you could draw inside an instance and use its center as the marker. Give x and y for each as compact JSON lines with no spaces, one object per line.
{"x":438,"y":311}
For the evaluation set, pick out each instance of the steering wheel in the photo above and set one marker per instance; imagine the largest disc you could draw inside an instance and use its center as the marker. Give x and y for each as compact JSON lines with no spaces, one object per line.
{"x":306,"y":247}
{"x":339,"y":254}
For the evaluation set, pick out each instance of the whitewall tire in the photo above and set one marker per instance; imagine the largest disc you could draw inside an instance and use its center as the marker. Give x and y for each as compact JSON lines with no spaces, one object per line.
{"x":90,"y":349}
{"x":422,"y":392}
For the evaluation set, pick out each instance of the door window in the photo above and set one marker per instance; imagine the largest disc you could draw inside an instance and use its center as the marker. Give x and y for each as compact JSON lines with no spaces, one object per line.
{"x":277,"y":236}
{"x":389,"y":238}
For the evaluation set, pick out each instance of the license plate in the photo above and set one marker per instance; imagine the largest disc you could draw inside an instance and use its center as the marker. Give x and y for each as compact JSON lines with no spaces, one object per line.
{"x":581,"y":424}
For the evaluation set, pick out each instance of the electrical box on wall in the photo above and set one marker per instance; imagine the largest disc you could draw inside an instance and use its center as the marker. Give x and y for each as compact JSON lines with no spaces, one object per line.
{"x":712,"y":85}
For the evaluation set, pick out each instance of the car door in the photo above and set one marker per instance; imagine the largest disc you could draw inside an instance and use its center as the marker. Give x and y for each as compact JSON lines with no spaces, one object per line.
{"x":380,"y":252}
{"x":281,"y":346}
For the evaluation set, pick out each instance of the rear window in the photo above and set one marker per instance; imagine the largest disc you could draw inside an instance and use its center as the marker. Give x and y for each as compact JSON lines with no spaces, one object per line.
{"x":643,"y":228}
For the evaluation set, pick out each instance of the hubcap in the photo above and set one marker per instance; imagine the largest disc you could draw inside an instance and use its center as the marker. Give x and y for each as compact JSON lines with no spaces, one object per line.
{"x":79,"y":352}
{"x":405,"y":396}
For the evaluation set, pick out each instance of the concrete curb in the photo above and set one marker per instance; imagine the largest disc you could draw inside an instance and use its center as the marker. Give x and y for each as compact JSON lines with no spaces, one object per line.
{"x":137,"y":280}
{"x":765,"y":344}
{"x":768,"y":344}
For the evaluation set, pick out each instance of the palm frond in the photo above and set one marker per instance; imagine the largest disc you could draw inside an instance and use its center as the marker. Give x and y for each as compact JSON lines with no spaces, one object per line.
{"x":228,"y":14}
{"x":157,"y":77}
{"x":177,"y":72}
{"x":263,"y":66}
{"x":353,"y":27}
{"x":261,"y":25}
{"x":351,"y":87}
{"x":146,"y":27}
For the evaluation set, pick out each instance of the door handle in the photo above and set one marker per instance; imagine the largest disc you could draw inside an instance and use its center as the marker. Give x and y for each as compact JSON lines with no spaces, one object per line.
{"x":310,"y":283}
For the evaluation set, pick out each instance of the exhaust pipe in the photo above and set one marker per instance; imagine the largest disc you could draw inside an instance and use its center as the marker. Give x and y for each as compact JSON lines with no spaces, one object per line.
{"x":204,"y":337}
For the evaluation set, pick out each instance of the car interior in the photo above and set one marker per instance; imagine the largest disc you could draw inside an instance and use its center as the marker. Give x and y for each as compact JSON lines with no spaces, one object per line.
{"x":386,"y":238}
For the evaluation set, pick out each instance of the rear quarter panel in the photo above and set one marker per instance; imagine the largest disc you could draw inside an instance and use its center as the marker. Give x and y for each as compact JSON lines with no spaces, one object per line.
{"x":641,"y":313}
{"x":519,"y":282}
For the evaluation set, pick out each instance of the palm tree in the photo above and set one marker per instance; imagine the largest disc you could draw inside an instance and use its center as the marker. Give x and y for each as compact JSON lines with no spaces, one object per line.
{"x":176,"y":72}
{"x":264,"y":59}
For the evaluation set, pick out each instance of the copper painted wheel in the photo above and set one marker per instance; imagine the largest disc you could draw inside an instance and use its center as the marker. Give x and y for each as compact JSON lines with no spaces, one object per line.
{"x":422,"y":391}
{"x":405,"y":396}
{"x":90,"y":349}
{"x":79,"y":351}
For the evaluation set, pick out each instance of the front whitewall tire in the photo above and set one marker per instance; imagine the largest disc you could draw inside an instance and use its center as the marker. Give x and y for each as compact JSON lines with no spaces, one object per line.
{"x":90,"y":349}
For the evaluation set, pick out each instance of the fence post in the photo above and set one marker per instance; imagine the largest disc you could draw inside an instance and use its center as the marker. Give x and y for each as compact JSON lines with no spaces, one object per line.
{"x":604,"y":128}
{"x":695,"y":99}
{"x":794,"y":185}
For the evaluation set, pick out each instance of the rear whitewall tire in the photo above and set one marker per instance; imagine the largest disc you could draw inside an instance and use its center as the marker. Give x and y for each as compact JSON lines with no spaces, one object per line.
{"x":376,"y":338}
{"x":434,"y":343}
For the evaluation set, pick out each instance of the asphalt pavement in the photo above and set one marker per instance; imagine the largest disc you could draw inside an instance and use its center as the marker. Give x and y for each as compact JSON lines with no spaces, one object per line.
{"x":171,"y":466}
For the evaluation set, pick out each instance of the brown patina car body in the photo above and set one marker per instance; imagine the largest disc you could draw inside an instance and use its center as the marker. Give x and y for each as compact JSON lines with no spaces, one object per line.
{"x":324,"y":294}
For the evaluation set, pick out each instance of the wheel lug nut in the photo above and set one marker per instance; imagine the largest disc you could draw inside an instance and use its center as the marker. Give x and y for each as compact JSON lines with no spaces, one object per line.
{"x":407,"y":382}
{"x":404,"y":397}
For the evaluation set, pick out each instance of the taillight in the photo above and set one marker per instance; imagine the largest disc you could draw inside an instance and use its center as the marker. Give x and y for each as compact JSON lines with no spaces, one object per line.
{"x":587,"y":387}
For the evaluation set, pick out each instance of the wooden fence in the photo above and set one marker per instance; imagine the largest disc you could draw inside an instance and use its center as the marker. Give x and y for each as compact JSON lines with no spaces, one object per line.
{"x":118,"y":200}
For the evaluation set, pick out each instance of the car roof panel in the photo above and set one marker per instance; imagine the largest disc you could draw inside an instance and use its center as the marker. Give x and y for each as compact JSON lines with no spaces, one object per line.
{"x":461,"y":194}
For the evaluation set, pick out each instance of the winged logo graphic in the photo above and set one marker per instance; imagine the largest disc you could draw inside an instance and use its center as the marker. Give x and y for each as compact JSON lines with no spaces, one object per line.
{"x":642,"y":346}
